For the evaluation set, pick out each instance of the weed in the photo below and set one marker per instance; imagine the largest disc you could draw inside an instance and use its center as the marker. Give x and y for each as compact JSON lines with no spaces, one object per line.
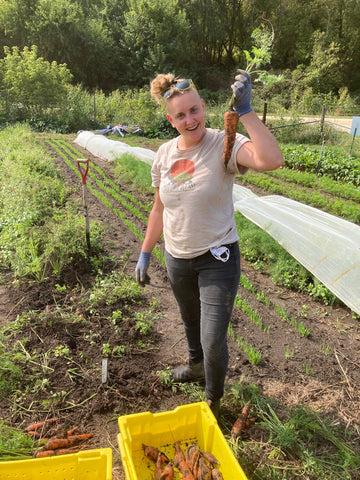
{"x":61,"y":351}
{"x":289,"y":353}
{"x":143,"y":322}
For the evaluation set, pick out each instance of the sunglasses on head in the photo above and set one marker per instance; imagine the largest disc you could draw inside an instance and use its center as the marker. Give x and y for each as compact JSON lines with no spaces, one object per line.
{"x":180,"y":86}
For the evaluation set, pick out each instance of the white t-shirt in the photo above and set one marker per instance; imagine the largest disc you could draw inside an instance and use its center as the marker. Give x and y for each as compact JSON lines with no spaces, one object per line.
{"x":196,"y":191}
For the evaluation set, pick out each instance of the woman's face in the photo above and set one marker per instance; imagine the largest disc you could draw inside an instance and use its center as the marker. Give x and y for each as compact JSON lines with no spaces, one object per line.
{"x":186,"y":113}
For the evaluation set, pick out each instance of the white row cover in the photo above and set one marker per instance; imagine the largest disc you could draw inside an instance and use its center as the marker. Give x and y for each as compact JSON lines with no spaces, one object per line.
{"x":109,"y":150}
{"x":327,"y":246}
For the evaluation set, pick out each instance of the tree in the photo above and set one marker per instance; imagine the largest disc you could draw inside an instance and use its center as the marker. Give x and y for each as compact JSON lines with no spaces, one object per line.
{"x":32,"y":82}
{"x":65,"y":34}
{"x":217,"y":31}
{"x":14,"y":20}
{"x":155,"y":39}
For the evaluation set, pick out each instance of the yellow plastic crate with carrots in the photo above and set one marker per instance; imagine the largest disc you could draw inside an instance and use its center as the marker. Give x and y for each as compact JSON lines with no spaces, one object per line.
{"x":186,"y":424}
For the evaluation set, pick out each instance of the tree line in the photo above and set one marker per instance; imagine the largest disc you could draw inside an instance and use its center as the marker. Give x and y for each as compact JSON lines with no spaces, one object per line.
{"x":112,"y":44}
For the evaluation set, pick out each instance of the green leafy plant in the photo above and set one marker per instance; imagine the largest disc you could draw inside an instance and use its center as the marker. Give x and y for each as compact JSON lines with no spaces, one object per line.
{"x":251,"y":352}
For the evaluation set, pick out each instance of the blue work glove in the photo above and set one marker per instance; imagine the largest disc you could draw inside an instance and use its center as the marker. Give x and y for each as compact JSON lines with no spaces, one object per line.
{"x":242,"y":91}
{"x":141,"y":268}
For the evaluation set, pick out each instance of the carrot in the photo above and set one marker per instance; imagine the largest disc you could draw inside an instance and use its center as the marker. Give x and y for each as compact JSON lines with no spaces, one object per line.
{"x":216,"y":474}
{"x":152,"y":454}
{"x":204,"y":472}
{"x":34,"y":427}
{"x":168,"y":473}
{"x":81,"y":436}
{"x":210,"y":458}
{"x":60,"y":451}
{"x":180,"y":463}
{"x":158,"y":467}
{"x":231,"y":119}
{"x":56,"y":443}
{"x":240,"y":424}
{"x":191,"y":456}
{"x":71,"y":431}
{"x":33,"y":433}
{"x":195,"y":470}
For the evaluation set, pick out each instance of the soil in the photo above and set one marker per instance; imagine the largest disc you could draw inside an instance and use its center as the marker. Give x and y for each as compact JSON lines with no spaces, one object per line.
{"x":320,"y":371}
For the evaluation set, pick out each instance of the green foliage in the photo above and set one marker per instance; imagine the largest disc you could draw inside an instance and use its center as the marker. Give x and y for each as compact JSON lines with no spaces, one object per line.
{"x":110,"y":289}
{"x":10,"y":372}
{"x":31,"y":81}
{"x":161,"y":128}
{"x":14,"y":443}
{"x":154,"y":35}
{"x":129,"y":170}
{"x":333,"y":164}
{"x":315,"y":446}
{"x":35,"y":238}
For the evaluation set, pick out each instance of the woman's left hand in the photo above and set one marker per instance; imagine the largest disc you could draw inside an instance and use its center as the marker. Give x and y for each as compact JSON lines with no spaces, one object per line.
{"x":242,"y":92}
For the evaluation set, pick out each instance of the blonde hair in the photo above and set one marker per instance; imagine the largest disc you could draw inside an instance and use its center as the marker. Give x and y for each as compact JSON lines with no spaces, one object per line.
{"x":163,"y":82}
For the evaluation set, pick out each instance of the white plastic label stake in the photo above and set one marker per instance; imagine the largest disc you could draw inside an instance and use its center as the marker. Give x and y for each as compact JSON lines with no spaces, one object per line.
{"x":104,"y":370}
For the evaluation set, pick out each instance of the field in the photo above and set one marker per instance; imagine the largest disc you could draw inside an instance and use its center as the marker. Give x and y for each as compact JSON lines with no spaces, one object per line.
{"x":292,"y":355}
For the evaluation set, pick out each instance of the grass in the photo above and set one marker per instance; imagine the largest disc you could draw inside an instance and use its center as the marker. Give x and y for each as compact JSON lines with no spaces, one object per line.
{"x":286,"y":443}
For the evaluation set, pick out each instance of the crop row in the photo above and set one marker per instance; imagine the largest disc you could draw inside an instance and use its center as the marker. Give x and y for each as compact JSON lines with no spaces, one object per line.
{"x":347,"y":209}
{"x":331,"y":164}
{"x":105,"y":189}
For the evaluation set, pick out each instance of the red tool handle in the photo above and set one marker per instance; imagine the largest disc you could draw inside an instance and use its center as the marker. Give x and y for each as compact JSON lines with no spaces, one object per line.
{"x":83,"y":173}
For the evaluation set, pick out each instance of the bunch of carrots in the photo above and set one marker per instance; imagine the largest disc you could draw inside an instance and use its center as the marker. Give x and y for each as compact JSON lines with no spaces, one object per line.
{"x":242,"y":422}
{"x":194,"y":464}
{"x":57,"y":442}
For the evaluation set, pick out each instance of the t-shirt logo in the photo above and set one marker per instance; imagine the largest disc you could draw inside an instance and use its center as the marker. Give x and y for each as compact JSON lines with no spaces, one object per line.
{"x":182,"y":171}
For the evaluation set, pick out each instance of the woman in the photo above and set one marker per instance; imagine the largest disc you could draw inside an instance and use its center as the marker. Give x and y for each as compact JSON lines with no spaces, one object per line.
{"x":193,"y":207}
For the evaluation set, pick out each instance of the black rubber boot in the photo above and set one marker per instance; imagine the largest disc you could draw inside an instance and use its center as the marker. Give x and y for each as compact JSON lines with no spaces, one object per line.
{"x":215,"y":408}
{"x":192,"y":372}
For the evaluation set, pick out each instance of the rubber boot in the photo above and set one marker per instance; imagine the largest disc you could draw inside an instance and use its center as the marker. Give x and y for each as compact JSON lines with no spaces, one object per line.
{"x":192,"y":372}
{"x":214,"y":407}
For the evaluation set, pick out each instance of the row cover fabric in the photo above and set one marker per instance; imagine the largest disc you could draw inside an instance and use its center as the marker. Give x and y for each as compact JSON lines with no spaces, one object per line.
{"x":327,"y":246}
{"x":107,"y":149}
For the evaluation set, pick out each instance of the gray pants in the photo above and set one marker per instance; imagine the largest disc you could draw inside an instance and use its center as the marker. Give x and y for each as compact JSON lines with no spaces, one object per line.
{"x":205,"y":290}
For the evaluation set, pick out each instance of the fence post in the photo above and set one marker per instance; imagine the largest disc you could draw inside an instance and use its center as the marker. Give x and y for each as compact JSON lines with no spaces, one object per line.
{"x":95,"y":109}
{"x":264,"y":113}
{"x":322,"y":119}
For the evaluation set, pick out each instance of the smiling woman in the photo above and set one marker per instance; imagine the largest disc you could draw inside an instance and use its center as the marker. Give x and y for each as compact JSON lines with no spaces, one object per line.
{"x":194,"y":209}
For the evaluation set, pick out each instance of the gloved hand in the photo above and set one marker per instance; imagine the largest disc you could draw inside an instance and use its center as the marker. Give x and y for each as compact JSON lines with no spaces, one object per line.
{"x":141,"y":268}
{"x":242,"y":91}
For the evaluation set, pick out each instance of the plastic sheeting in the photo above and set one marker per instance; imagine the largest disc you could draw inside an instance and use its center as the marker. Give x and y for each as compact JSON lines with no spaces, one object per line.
{"x":109,"y":150}
{"x":327,"y":246}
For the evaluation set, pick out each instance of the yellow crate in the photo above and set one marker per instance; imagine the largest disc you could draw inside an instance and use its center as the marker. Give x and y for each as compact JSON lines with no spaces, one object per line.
{"x":186,"y":424}
{"x":86,"y":465}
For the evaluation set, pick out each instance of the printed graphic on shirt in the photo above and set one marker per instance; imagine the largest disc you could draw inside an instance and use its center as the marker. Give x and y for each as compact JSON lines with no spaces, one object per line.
{"x":181,"y":174}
